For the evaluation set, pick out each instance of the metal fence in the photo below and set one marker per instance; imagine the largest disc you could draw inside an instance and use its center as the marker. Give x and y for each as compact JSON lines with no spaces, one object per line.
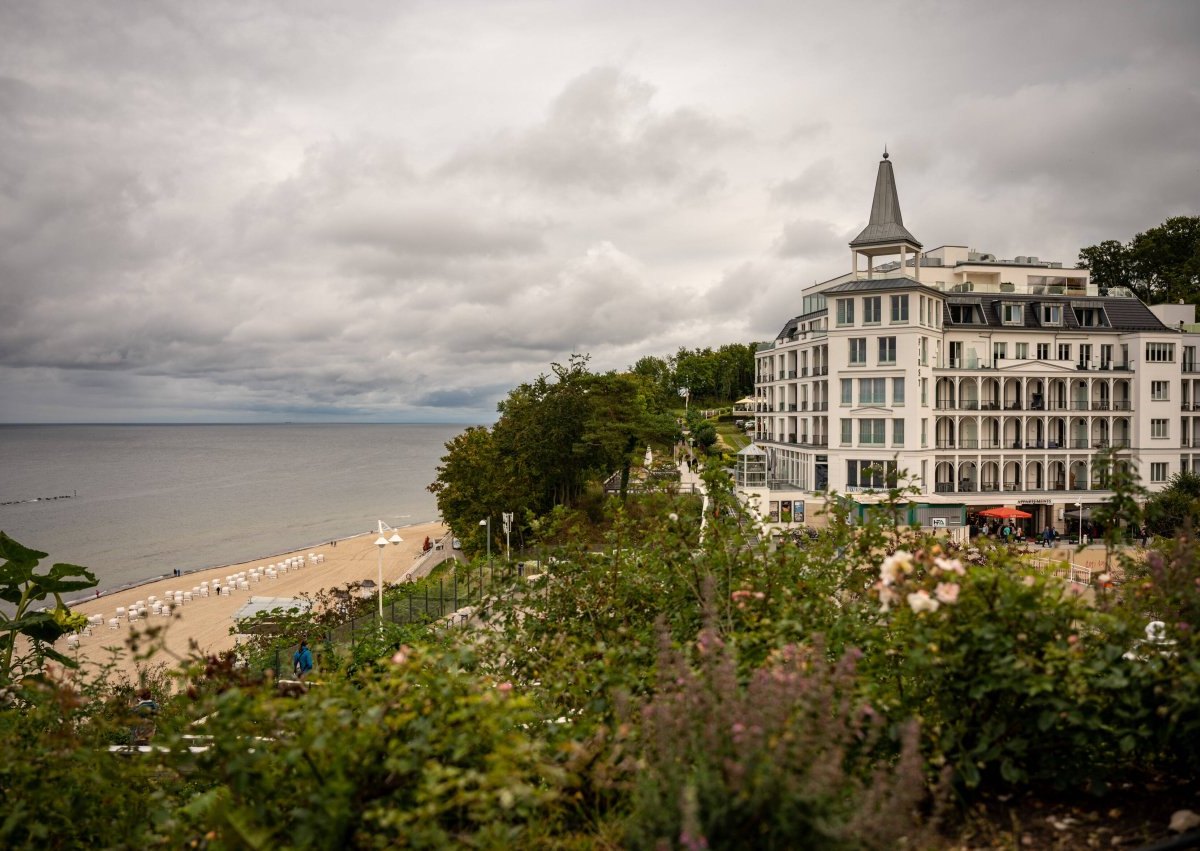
{"x":419,"y":601}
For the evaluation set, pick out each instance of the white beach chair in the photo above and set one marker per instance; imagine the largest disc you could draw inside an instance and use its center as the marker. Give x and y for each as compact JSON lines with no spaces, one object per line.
{"x":72,"y":642}
{"x":114,"y":623}
{"x":166,"y":611}
{"x":187,"y":596}
{"x":120,"y":611}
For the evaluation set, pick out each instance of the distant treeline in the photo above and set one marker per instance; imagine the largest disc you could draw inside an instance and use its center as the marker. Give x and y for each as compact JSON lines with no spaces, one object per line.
{"x":723,"y":375}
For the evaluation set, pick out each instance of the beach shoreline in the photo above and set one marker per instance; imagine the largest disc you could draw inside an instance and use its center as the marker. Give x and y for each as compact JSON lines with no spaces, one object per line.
{"x":100,"y":594}
{"x":203,"y":624}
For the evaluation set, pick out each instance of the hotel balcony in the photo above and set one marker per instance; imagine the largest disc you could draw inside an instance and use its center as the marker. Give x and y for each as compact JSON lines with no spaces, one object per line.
{"x":968,"y":443}
{"x":978,"y":363}
{"x":1039,"y":406}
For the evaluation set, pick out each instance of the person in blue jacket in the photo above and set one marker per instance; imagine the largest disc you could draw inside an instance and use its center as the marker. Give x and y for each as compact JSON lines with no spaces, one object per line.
{"x":302,"y":660}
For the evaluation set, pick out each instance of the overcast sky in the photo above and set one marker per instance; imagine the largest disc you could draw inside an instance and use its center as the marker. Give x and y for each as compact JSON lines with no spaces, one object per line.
{"x":390,"y":211}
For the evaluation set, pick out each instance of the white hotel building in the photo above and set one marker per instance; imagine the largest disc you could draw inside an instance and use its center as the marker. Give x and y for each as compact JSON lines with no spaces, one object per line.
{"x":991,"y":382}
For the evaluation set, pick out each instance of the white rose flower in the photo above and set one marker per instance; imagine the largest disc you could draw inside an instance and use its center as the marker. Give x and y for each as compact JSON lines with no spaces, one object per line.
{"x":920,"y":601}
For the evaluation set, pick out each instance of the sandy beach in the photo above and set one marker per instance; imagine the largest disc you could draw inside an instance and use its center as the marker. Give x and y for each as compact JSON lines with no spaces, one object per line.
{"x":206,"y":620}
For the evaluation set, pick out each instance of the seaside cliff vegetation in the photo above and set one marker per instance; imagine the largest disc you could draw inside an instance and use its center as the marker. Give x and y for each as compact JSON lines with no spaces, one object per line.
{"x":563,"y":433}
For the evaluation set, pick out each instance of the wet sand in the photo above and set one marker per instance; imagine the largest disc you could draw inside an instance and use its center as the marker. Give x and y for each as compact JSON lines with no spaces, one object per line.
{"x":206,"y":620}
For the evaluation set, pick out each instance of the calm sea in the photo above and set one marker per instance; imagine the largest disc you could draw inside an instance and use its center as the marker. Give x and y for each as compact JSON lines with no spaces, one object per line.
{"x":150,"y":498}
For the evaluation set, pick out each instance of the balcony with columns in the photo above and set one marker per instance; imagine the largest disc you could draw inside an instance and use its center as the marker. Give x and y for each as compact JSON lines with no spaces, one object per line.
{"x":1032,"y":433}
{"x":1028,"y":393}
{"x":1014,"y":476}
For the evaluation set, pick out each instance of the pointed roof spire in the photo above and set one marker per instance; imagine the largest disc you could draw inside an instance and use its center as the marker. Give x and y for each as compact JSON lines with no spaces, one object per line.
{"x":887,"y":224}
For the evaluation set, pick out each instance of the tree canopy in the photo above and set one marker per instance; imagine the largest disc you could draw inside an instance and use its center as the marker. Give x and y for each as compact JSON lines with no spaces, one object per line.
{"x":723,"y":375}
{"x":554,"y":435}
{"x":1161,"y":264}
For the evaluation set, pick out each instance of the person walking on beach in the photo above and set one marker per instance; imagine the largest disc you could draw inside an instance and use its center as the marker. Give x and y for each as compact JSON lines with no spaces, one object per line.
{"x":302,"y":660}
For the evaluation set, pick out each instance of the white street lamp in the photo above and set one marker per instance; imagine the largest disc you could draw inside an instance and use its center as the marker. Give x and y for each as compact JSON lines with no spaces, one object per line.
{"x":382,"y":542}
{"x":1079,"y":505}
{"x":488,"y":523}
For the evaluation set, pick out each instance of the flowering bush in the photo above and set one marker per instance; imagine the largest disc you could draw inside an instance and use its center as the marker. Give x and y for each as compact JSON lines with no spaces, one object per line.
{"x":792,"y":758}
{"x":1013,"y":677}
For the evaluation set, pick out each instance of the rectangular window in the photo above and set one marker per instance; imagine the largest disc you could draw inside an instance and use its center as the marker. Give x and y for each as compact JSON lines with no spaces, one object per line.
{"x":1022,"y":351}
{"x":899,"y":308}
{"x":871,"y":391}
{"x":872,"y":310}
{"x":1158,"y":428}
{"x":845,"y":311}
{"x":887,"y":350}
{"x":870,"y":474}
{"x":897,"y":432}
{"x":924,"y":312}
{"x":858,"y":351}
{"x":1012,"y":313}
{"x":1043,"y":351}
{"x":1160,"y":391}
{"x":1160,"y":352}
{"x":1052,"y":314}
{"x":847,"y":432}
{"x":1064,"y":351}
{"x":847,"y":391}
{"x":924,"y":434}
{"x":1158,"y":471}
{"x":925,"y":392}
{"x":999,"y":351}
{"x":871,"y":432}
{"x":923,"y":351}
{"x":897,"y":392}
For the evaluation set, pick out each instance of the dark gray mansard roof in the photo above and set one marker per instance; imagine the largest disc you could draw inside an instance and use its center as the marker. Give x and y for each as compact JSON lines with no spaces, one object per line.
{"x":789,"y":329}
{"x":1124,"y":314}
{"x":864,"y":285}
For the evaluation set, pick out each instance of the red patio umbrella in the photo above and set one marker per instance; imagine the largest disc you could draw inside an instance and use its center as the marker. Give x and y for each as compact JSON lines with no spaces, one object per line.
{"x":1005,"y":513}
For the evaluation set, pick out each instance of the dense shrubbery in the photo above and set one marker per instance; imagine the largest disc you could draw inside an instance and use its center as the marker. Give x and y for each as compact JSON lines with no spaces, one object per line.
{"x":650,"y":690}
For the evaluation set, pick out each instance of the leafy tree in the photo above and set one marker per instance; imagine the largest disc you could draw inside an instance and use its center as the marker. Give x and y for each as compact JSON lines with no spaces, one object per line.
{"x":1161,"y":264}
{"x":1175,"y":507}
{"x":705,"y":435}
{"x":466,"y":478}
{"x":1167,"y":258}
{"x":554,"y":435}
{"x":621,"y":420}
{"x":1122,"y":510}
{"x":1109,"y":263}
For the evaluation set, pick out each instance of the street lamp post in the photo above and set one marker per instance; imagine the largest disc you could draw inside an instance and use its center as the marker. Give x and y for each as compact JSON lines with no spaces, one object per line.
{"x":382,"y":542}
{"x":1079,"y":505}
{"x":488,"y":523}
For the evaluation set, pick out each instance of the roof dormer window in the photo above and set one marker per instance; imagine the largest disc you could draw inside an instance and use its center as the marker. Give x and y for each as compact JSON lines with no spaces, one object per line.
{"x":1012,"y":313}
{"x":1052,"y":314}
{"x":1090,"y":315}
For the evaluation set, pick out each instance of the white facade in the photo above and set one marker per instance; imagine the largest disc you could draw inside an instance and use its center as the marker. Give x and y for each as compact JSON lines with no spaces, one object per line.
{"x":990,"y":382}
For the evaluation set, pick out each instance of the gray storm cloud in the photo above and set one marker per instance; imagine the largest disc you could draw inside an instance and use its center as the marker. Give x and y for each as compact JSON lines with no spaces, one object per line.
{"x":255,"y":211}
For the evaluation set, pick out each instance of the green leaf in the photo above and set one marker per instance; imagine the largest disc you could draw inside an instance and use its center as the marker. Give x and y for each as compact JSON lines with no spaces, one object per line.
{"x":18,"y":554}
